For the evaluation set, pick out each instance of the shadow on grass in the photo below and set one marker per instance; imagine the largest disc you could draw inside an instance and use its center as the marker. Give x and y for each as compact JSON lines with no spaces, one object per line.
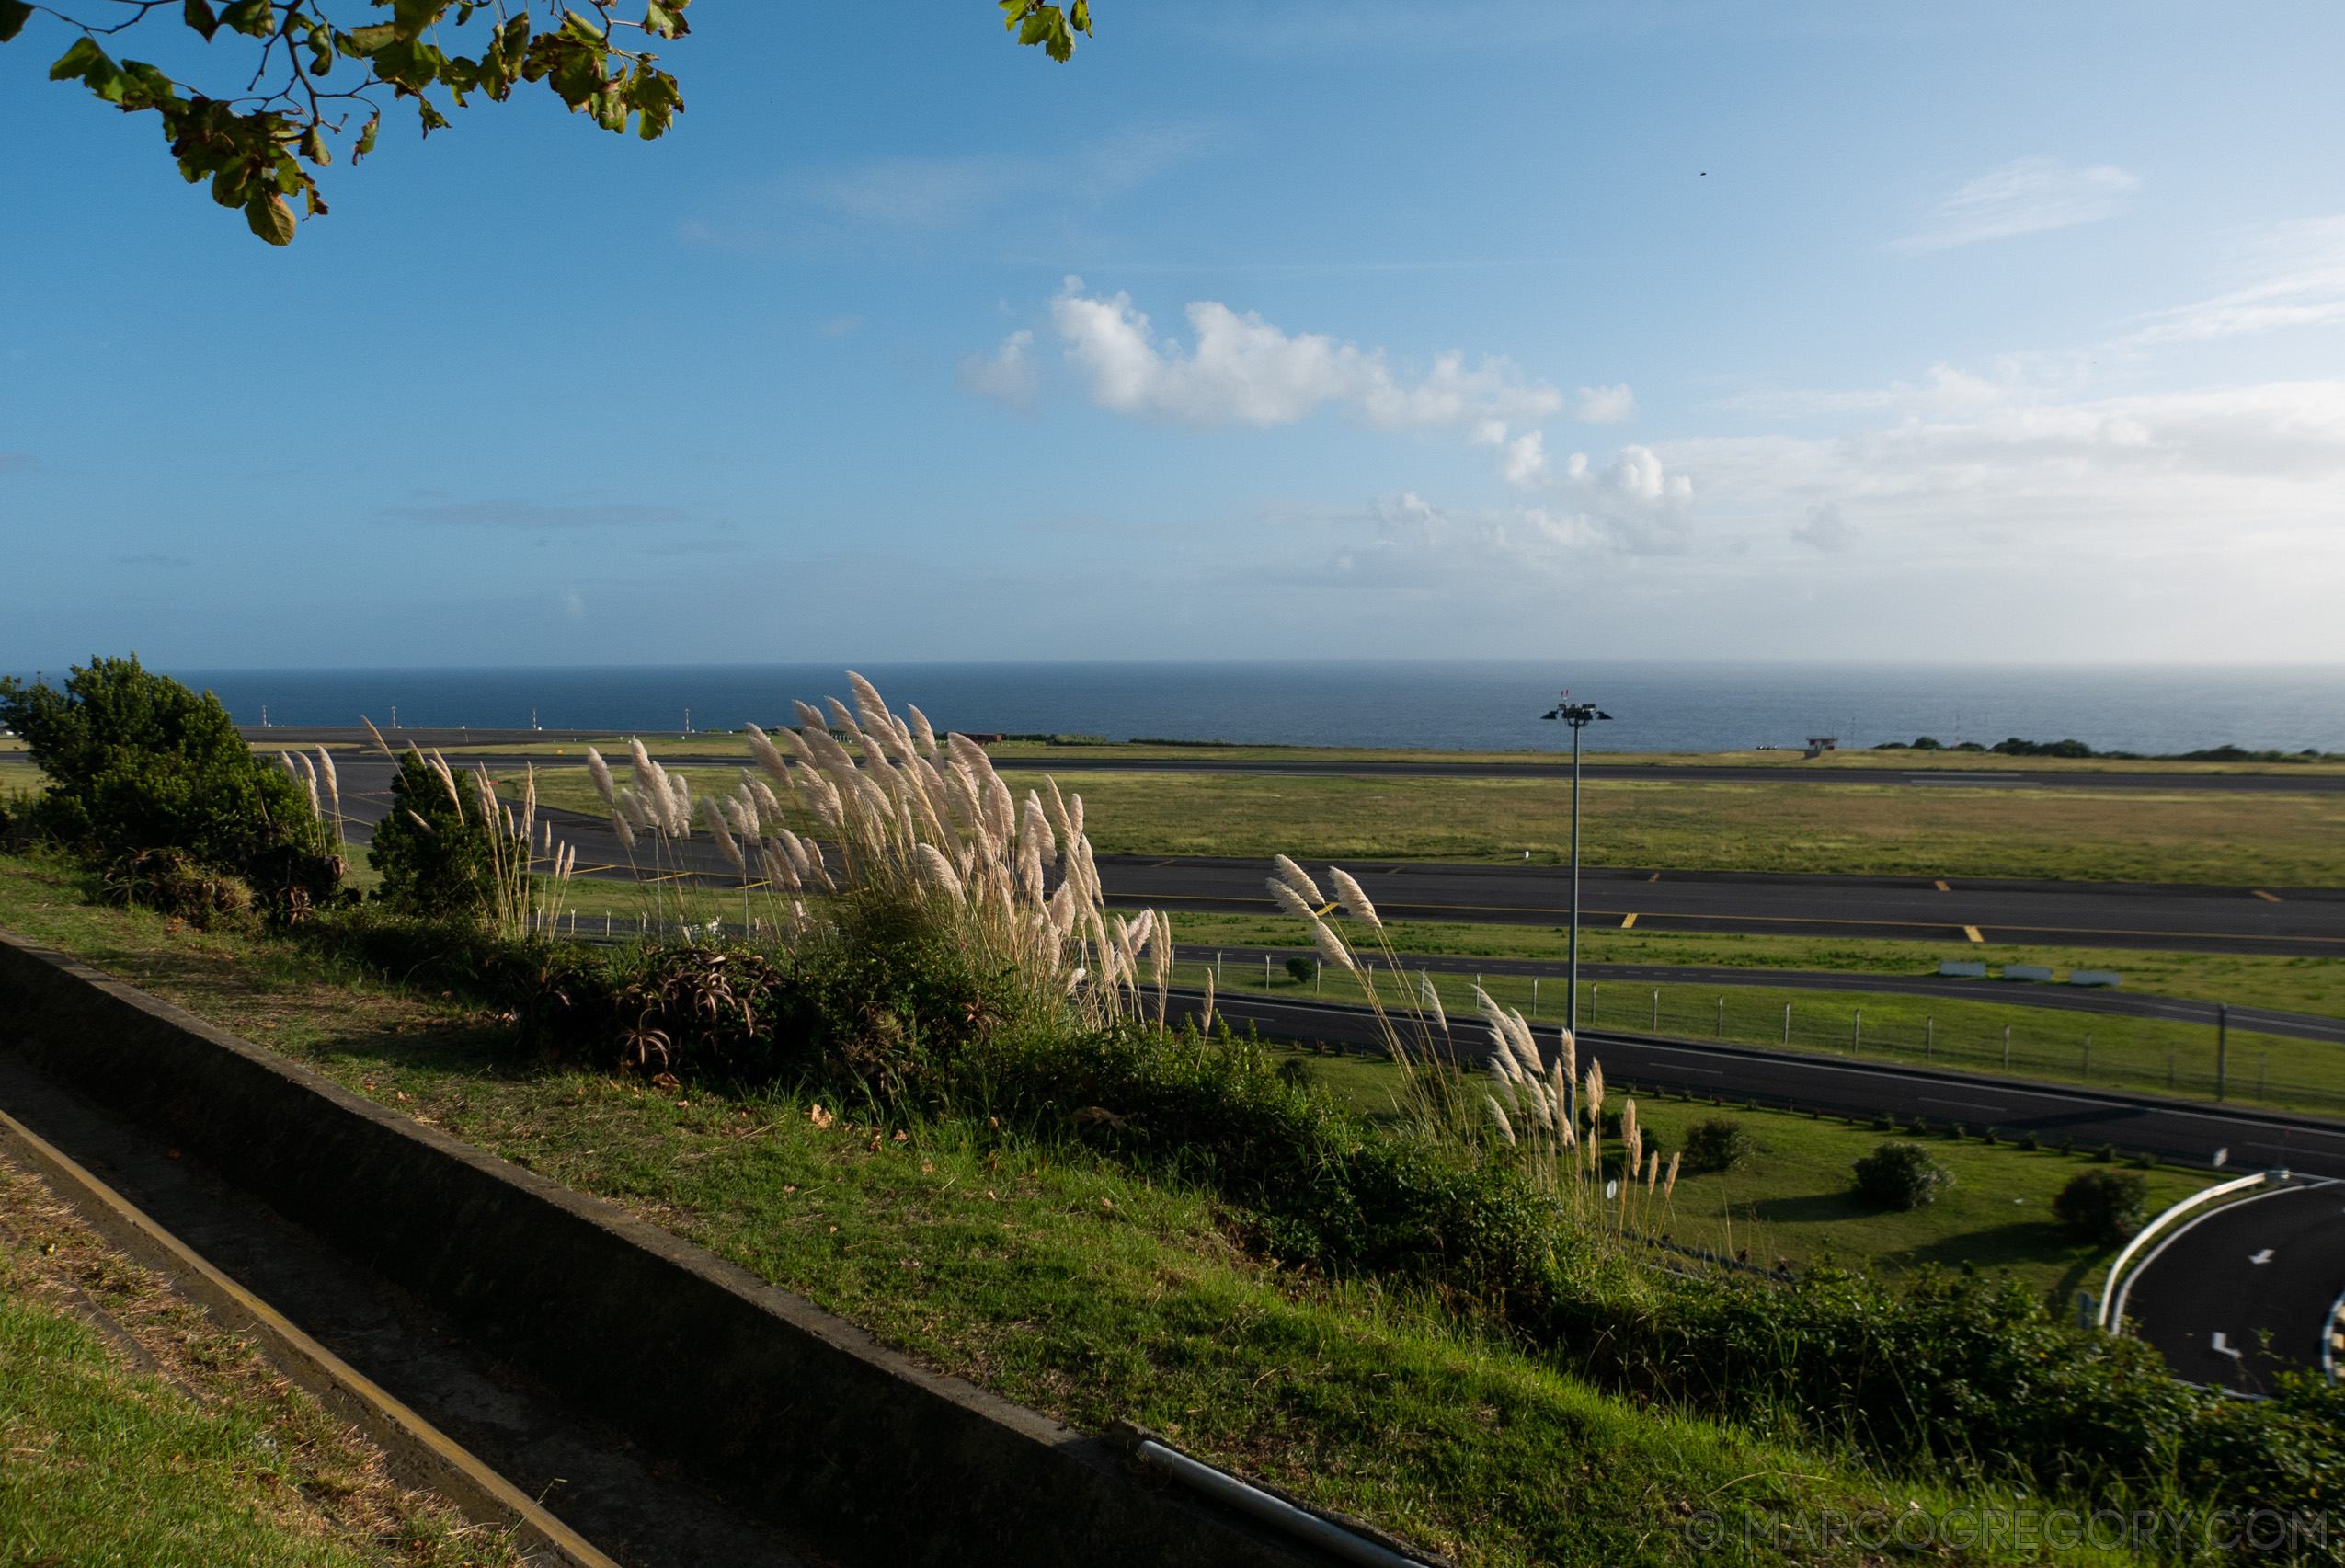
{"x":1815,"y":1208}
{"x":2021,"y":1242}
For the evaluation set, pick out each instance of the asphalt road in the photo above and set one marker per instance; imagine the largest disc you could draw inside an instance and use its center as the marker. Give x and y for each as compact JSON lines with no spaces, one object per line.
{"x":2174,"y":1129}
{"x":2272,"y":1264}
{"x":2095,"y":914}
{"x":2060,"y":998}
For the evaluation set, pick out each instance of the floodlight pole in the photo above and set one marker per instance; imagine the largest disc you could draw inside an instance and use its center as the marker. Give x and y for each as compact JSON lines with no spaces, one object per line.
{"x":1579,"y":715}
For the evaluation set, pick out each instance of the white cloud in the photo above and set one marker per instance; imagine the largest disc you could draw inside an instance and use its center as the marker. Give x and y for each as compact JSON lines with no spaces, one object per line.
{"x":907,"y":194}
{"x":2297,"y":273}
{"x":1827,"y":528}
{"x":2025,"y":196}
{"x":1605,"y":405}
{"x":1244,"y":370}
{"x":1008,"y":376}
{"x":2234,"y":472}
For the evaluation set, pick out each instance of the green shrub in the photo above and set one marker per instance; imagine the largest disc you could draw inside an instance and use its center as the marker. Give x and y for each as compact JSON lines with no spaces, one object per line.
{"x":1305,"y":970}
{"x":2102,"y":1208}
{"x":1901,"y":1176}
{"x":1720,"y":1144}
{"x":138,"y":762}
{"x":438,"y":859}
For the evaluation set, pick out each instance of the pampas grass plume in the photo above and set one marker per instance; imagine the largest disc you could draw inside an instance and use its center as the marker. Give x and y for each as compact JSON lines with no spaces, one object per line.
{"x":1295,"y":877}
{"x":1356,"y":903}
{"x":1289,"y":901}
{"x":1331,"y":948}
{"x":599,"y":772}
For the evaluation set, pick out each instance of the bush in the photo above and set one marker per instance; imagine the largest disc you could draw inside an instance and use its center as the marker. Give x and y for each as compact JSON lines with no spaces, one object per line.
{"x":1901,"y":1176}
{"x":171,"y":884}
{"x":2102,"y":1208}
{"x":138,"y":762}
{"x":1720,"y":1144}
{"x":436,"y":860}
{"x":1305,"y":970}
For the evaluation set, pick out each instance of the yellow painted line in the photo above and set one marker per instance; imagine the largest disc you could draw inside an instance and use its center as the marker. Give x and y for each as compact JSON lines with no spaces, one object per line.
{"x":1322,"y":913}
{"x":466,"y":1480}
{"x":1628,"y":920}
{"x":1778,"y":920}
{"x":2261,"y":894}
{"x":1654,"y":878}
{"x":1154,"y":863}
{"x":1973,"y":932}
{"x":1942,"y":887}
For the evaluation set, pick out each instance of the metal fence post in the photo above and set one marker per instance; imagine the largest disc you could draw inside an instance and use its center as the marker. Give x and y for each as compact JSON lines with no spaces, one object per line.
{"x":2086,"y":1075}
{"x":1787,"y":1023}
{"x":1534,"y":996}
{"x":2006,"y":1048}
{"x":1929,"y":1037}
{"x":1721,"y":1030}
{"x":2222,"y":1048}
{"x":1656,"y":1010}
{"x":1857,"y":1034}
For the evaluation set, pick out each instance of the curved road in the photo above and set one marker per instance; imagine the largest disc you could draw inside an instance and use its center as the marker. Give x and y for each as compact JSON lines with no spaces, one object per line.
{"x":2244,"y":1290}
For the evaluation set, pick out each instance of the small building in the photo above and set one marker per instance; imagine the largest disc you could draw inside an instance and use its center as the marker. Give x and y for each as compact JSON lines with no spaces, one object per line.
{"x":1819,"y":744}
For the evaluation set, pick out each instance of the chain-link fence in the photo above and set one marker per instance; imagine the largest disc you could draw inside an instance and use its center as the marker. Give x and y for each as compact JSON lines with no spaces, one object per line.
{"x":2105,"y":1050}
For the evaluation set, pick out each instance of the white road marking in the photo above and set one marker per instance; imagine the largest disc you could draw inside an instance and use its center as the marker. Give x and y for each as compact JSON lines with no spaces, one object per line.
{"x":2263,"y":1257}
{"x":1964,"y":1104}
{"x":2222,"y":1349}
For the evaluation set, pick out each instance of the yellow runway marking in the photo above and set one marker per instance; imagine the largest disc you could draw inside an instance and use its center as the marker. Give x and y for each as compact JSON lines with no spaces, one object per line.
{"x":1942,"y":887}
{"x":1628,"y":920}
{"x":1782,"y":919}
{"x":2261,"y":894}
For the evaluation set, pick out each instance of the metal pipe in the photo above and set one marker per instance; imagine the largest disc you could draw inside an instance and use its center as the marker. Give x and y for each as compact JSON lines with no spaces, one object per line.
{"x":1275,"y":1512}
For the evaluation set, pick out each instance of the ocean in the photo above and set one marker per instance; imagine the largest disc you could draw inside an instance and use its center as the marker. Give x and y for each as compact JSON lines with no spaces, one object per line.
{"x":1478,"y":705}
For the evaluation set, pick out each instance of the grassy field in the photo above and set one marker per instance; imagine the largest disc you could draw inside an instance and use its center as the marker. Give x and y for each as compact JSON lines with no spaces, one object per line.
{"x":1009,"y":753}
{"x":1793,"y":1201}
{"x":2314,"y":985}
{"x":1033,"y":1269}
{"x":2278,"y":841}
{"x":204,"y":1456}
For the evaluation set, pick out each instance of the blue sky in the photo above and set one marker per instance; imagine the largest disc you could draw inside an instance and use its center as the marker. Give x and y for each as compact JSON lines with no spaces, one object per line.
{"x":1977,"y":332}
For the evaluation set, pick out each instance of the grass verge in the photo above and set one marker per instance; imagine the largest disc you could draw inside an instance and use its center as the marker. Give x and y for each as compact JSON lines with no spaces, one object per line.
{"x":157,"y":1438}
{"x":1042,"y":1272}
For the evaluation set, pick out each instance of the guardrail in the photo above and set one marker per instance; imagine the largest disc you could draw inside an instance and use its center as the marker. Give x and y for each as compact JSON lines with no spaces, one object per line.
{"x":2116,"y":1269}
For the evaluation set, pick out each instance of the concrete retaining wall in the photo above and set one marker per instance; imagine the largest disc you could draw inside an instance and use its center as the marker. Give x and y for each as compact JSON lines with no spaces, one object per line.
{"x":789,"y":1410}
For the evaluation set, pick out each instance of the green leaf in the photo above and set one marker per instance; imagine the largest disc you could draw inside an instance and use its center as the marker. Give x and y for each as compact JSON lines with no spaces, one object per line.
{"x":654,"y":96}
{"x":271,"y":220}
{"x":366,"y":138}
{"x":254,"y":19}
{"x":410,"y":18}
{"x":361,"y":43}
{"x":13,"y":15}
{"x":197,"y":13}
{"x":91,"y":64}
{"x":313,"y":146}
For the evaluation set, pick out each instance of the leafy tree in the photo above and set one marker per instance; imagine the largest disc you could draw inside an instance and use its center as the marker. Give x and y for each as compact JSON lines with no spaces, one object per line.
{"x":137,"y":761}
{"x":2102,"y":1208}
{"x":259,"y":146}
{"x":437,"y":857}
{"x":1901,"y":1176}
{"x":1305,"y":970}
{"x":1720,"y":1144}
